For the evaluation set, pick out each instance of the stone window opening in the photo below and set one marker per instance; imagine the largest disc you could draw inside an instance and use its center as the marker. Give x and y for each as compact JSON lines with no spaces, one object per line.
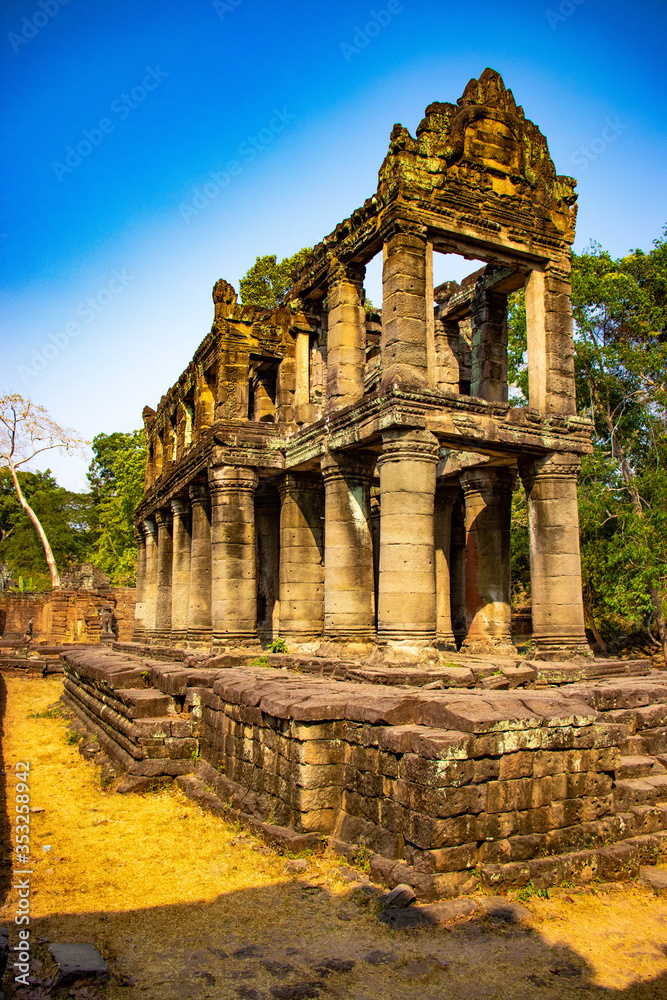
{"x":207,"y":393}
{"x":188,"y":418}
{"x":262,"y":388}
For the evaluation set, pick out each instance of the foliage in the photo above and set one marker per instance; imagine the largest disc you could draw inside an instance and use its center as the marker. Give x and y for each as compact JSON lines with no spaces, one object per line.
{"x":517,"y":366}
{"x":66,"y":517}
{"x":26,"y":431}
{"x":267,"y":281}
{"x":520,"y":548}
{"x":278,"y":646}
{"x":620,"y":339}
{"x":116,"y":477}
{"x":620,"y":310}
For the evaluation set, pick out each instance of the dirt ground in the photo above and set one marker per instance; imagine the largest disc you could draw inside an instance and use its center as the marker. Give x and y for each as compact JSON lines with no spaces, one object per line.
{"x":185,"y":905}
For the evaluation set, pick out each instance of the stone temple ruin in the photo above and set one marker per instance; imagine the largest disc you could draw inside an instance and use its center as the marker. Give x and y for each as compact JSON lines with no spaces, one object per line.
{"x":395,"y":437}
{"x":344,"y":481}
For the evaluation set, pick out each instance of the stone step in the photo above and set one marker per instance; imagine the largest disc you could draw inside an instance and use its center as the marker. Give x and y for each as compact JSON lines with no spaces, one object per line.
{"x":634,"y":792}
{"x":659,"y":782}
{"x":655,"y":741}
{"x":147,"y":704}
{"x":632,"y":747}
{"x":634,"y":767}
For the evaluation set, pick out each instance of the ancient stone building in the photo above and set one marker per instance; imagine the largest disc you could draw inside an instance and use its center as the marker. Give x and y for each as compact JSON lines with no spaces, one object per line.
{"x":318,"y":472}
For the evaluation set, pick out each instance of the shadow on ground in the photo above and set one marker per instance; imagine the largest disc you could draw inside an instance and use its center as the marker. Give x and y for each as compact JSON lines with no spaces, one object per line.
{"x":5,"y":828}
{"x":297,"y":941}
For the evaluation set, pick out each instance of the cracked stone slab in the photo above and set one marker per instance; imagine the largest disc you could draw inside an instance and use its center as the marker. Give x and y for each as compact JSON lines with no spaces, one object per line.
{"x":77,"y":961}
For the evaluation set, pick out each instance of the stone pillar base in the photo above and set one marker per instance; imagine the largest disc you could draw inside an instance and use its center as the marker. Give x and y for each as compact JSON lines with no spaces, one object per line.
{"x":199,"y":636}
{"x":178,"y":637}
{"x":139,"y":635}
{"x":558,"y":648}
{"x":350,"y":635}
{"x":244,"y":639}
{"x":481,"y":646}
{"x":446,"y":643}
{"x":160,"y":637}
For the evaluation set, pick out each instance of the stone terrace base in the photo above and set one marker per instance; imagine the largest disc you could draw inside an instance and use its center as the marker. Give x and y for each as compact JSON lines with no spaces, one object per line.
{"x":438,"y":784}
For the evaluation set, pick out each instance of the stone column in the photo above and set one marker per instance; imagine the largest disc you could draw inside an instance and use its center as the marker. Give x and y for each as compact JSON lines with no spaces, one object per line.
{"x":346,"y":337}
{"x":149,"y":530}
{"x":349,"y":598}
{"x":405,"y":354}
{"x":139,"y":631}
{"x":180,"y":577}
{"x":301,"y":556}
{"x":550,"y":343}
{"x":234,"y":568}
{"x":199,"y":609}
{"x":446,"y":496}
{"x":406,"y":592}
{"x":488,"y":508}
{"x":164,"y":565}
{"x":555,"y":565}
{"x":489,"y":346}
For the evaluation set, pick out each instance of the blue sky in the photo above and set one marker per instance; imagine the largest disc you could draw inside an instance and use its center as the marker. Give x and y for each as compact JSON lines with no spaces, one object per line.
{"x":153,"y":147}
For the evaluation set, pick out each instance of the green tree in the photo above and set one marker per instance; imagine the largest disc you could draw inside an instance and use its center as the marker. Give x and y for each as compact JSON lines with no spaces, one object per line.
{"x":67,"y":518}
{"x":517,"y":346}
{"x":620,"y":311}
{"x":26,"y":431}
{"x":116,"y":477}
{"x":620,"y":339}
{"x":267,"y":281}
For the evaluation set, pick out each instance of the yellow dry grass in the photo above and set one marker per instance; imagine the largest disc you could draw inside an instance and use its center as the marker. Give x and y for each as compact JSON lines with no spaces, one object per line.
{"x":169,"y":893}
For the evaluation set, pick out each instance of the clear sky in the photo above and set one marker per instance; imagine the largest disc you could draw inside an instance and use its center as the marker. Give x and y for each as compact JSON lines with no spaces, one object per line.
{"x":154,"y":147}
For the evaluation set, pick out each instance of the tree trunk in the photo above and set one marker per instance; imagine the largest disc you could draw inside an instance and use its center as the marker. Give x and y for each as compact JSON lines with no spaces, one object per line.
{"x":50,"y":560}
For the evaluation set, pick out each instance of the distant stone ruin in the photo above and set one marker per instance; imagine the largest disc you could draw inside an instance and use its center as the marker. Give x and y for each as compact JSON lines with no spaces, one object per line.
{"x":84,"y":576}
{"x":317,"y":474}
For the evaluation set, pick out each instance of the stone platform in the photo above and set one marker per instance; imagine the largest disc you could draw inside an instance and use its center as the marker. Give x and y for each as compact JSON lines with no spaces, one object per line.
{"x":442,"y":778}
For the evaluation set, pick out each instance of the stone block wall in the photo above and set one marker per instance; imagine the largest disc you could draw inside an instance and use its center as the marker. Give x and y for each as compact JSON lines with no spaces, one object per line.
{"x":65,"y":616}
{"x":518,"y":785}
{"x":443,"y":799}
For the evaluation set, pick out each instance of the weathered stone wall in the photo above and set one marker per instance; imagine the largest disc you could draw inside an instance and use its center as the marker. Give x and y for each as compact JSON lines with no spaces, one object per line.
{"x":65,"y":616}
{"x":439,"y":782}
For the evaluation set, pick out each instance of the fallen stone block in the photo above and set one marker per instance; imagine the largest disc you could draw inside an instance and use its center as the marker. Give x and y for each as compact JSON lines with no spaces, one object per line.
{"x":77,"y":961}
{"x":618,"y":863}
{"x":401,"y":896}
{"x":656,"y":878}
{"x":433,"y":914}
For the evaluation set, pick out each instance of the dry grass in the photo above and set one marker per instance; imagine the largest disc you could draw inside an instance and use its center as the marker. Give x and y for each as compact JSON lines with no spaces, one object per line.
{"x":169,"y":893}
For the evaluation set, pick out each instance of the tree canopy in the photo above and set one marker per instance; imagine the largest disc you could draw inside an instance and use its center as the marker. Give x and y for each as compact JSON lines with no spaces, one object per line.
{"x":620,"y":340}
{"x":116,"y":477}
{"x":67,"y":519}
{"x":267,"y":281}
